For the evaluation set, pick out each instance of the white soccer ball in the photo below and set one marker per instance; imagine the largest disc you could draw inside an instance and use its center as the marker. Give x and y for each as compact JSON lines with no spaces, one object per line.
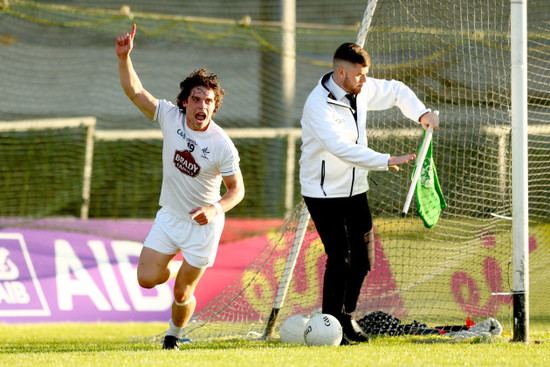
{"x":323,"y":329}
{"x":292,"y":330}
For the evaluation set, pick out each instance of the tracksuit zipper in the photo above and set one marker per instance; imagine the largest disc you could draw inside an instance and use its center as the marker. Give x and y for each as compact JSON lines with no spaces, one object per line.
{"x":353,"y":169}
{"x":322,"y":183}
{"x":323,"y":177}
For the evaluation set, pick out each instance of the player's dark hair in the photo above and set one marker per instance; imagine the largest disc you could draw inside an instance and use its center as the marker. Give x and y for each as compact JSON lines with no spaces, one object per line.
{"x":353,"y":53}
{"x":199,"y":78}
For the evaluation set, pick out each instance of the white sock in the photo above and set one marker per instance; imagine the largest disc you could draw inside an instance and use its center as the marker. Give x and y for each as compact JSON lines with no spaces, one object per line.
{"x":174,"y":330}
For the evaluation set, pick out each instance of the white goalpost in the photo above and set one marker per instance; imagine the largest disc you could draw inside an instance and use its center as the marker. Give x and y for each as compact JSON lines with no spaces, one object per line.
{"x":520,"y":213}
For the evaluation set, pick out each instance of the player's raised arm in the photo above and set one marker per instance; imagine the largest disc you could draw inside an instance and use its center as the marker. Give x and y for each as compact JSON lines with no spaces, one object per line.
{"x":129,"y":79}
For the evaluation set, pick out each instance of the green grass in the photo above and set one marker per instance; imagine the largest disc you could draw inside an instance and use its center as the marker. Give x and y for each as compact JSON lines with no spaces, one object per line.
{"x":113,"y":344}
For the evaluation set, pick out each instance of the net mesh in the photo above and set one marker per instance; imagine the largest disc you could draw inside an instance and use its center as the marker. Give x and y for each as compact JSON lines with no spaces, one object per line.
{"x":36,"y":180}
{"x":57,"y":60}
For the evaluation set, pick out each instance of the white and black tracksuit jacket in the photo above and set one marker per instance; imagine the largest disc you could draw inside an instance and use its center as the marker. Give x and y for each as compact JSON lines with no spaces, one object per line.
{"x":335,"y":155}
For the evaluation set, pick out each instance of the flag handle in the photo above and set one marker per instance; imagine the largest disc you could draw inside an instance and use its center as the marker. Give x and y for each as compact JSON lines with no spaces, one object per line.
{"x":418,"y":169}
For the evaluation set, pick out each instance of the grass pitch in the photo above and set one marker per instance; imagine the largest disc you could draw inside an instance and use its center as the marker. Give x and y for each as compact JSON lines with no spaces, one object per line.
{"x":116,"y":344}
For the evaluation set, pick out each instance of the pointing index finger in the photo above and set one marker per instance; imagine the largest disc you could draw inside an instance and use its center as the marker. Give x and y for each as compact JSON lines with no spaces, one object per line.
{"x":133,"y":33}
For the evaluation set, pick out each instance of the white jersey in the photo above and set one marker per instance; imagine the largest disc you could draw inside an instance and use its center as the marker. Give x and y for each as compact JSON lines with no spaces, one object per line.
{"x":193,"y":162}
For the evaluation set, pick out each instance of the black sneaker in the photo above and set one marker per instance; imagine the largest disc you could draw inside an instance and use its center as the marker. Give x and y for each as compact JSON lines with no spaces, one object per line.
{"x":357,"y":337}
{"x":346,"y":341}
{"x":171,"y":342}
{"x":352,"y":331}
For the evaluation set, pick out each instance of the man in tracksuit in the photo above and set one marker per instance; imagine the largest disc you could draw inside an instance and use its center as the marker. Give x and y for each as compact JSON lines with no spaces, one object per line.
{"x":333,"y":172}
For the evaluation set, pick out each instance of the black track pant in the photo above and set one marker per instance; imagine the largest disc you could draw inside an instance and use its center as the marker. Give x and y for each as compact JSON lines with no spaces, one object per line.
{"x":345,"y":228}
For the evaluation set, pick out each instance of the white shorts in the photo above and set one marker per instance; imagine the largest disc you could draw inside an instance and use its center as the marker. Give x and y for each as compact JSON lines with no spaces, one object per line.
{"x":198,"y":244}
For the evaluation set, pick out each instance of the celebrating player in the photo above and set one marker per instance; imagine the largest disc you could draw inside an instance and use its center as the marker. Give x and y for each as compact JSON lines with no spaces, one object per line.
{"x":197,"y":155}
{"x":333,"y":172}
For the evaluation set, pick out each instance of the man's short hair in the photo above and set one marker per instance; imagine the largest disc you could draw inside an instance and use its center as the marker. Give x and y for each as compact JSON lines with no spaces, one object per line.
{"x":200,"y":78}
{"x":353,"y":53}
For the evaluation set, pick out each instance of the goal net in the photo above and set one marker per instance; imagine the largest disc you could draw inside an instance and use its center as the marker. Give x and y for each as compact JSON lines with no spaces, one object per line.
{"x":454,"y":54}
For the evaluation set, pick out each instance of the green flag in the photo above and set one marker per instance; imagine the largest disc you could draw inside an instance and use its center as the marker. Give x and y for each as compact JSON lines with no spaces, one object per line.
{"x":429,"y":198}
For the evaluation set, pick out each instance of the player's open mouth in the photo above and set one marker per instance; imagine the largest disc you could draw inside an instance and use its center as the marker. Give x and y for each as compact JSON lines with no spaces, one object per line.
{"x":200,"y":116}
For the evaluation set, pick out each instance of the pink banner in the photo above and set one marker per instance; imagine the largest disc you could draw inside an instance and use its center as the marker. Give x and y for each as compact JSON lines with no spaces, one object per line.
{"x":56,"y":276}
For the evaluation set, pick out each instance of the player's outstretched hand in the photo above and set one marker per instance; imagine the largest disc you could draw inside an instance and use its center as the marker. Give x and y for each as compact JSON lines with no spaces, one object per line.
{"x":393,"y":162}
{"x":125,"y":42}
